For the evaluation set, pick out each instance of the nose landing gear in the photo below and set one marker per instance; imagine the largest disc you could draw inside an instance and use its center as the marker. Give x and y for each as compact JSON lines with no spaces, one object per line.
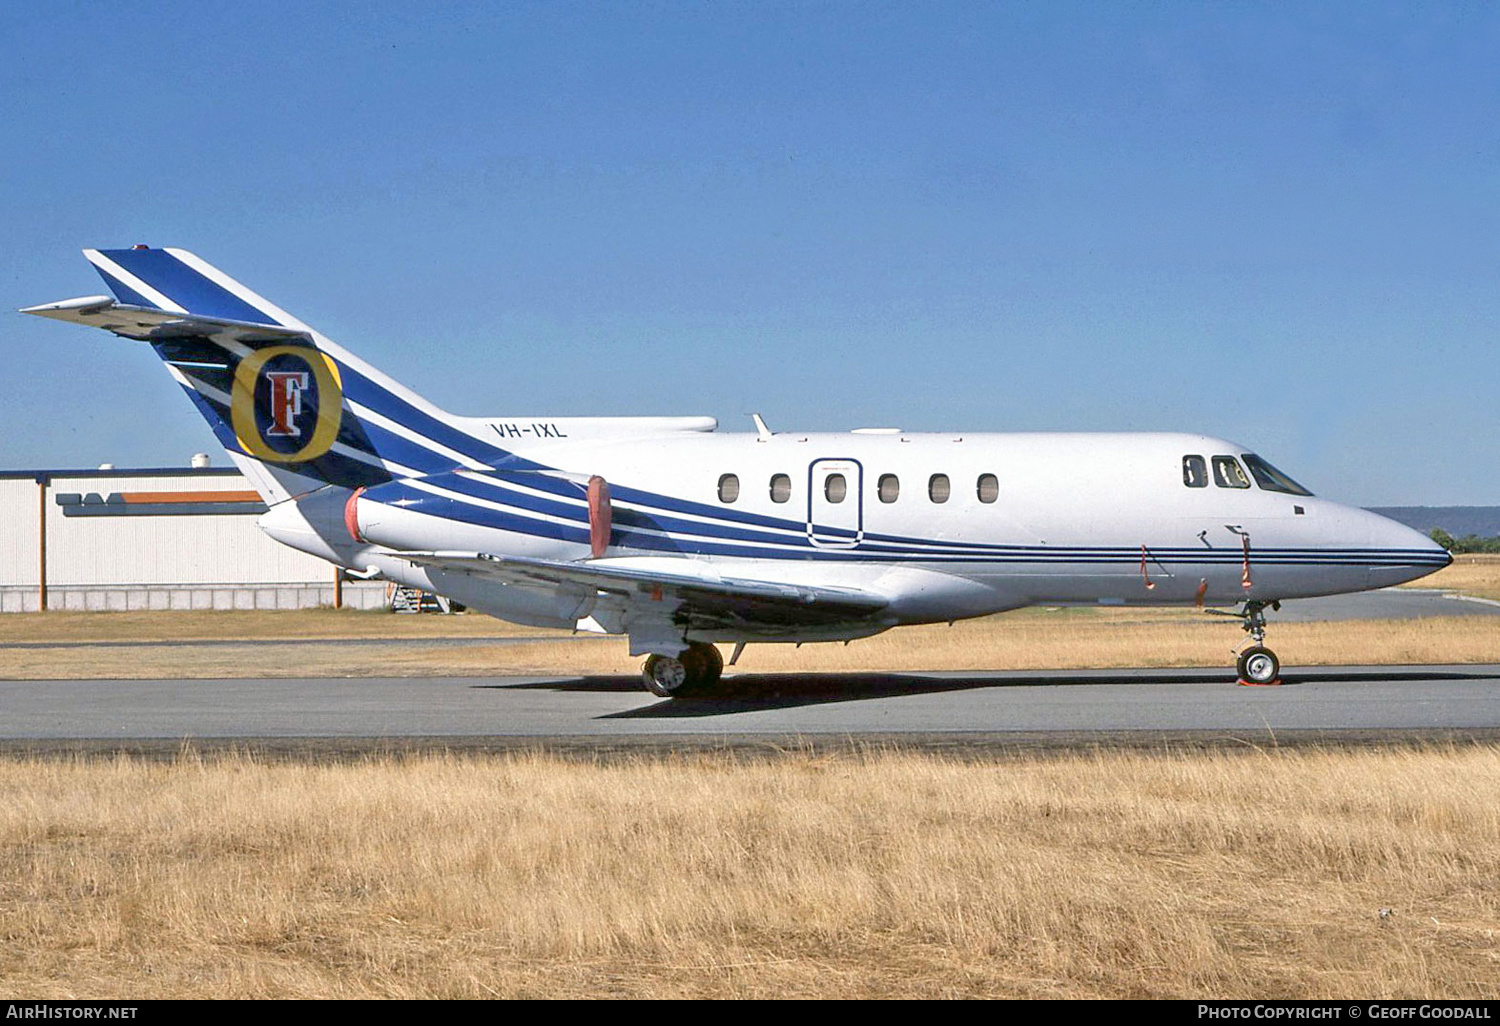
{"x":1258,"y":666}
{"x":694,"y":670}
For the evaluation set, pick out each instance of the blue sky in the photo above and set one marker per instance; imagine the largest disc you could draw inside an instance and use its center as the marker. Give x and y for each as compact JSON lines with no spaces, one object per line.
{"x":1278,"y":223}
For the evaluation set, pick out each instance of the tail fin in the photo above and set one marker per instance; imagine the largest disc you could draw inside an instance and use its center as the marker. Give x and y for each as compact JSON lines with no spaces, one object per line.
{"x":293,"y":410}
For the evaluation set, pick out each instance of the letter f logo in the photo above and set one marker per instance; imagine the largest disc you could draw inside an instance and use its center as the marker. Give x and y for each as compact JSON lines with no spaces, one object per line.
{"x":286,"y":402}
{"x":257,"y":422}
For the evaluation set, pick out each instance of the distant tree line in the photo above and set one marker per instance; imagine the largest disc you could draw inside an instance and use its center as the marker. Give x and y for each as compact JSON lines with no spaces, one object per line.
{"x":1468,"y":543}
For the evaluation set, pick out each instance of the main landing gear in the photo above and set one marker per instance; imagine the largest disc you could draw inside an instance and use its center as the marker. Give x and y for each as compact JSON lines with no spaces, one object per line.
{"x":692,"y":671}
{"x":1258,"y":666}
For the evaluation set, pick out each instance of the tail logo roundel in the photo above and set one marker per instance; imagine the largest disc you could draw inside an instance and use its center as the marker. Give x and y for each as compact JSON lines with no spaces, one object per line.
{"x":286,"y":404}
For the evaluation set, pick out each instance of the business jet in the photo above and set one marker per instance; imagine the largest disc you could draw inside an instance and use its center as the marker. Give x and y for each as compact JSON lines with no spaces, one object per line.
{"x":683,"y":538}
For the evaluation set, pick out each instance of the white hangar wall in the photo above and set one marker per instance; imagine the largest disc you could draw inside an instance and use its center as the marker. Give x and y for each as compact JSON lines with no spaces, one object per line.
{"x":160,"y":538}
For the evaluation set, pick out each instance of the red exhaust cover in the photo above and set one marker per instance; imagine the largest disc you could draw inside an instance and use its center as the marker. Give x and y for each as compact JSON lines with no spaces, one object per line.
{"x":599,"y":515}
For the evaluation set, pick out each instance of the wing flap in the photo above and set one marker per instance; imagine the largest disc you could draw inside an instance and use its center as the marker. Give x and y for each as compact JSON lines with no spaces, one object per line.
{"x":704,"y":594}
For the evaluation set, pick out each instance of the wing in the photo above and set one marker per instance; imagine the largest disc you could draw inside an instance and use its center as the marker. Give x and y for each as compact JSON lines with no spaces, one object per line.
{"x":147,"y":324}
{"x":706,"y":596}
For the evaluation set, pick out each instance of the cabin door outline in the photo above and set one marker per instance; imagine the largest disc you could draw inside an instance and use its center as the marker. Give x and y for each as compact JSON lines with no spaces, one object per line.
{"x":830,"y":524}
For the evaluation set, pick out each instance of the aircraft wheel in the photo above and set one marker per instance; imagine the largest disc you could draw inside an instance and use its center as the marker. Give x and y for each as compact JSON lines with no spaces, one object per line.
{"x":1258,"y":665}
{"x":694,"y":670}
{"x":664,"y":675}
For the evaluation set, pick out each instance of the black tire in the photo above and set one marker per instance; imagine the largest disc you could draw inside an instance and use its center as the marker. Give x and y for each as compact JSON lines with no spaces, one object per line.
{"x":1258,"y":665}
{"x":704,"y":666}
{"x":711,"y":663}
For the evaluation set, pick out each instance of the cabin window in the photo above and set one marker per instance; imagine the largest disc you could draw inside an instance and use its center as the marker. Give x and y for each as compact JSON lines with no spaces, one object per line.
{"x":781,"y":488}
{"x":1229,"y":474}
{"x":889,"y":488}
{"x":938,"y":488}
{"x":835,"y":488}
{"x":1194,"y":472}
{"x":1271,"y":479}
{"x":989,"y":488}
{"x":729,"y":488}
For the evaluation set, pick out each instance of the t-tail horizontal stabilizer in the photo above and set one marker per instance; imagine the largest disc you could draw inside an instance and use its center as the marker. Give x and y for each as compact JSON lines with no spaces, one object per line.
{"x":148,"y":324}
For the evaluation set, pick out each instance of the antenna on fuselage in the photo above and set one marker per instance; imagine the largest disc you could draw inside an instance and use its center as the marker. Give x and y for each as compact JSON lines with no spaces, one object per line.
{"x":762,"y":433}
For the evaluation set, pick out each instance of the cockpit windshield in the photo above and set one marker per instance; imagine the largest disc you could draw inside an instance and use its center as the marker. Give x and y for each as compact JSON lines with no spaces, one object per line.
{"x":1271,"y":479}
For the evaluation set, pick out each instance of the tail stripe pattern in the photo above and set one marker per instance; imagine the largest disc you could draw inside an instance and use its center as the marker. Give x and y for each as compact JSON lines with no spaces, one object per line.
{"x":126,"y":286}
{"x":382,"y":434}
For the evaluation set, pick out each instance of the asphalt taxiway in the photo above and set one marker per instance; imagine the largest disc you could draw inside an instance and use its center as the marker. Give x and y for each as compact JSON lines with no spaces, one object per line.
{"x":1385,"y":604}
{"x":1087,"y":702}
{"x":1332,"y":702}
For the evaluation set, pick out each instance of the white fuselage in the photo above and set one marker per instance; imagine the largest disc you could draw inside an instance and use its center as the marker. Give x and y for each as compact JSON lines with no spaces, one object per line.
{"x":1062,"y":518}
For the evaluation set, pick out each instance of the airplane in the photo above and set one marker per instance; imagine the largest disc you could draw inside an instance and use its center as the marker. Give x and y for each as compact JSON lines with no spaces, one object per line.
{"x":683,"y":538}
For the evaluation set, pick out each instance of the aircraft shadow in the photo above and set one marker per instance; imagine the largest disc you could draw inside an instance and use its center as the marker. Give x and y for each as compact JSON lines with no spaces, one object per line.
{"x":588,"y":684}
{"x":760,"y":692}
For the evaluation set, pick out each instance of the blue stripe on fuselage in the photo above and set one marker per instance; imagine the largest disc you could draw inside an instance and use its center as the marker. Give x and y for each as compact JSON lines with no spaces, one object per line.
{"x":462,"y":505}
{"x":674,"y":505}
{"x":491,"y":487}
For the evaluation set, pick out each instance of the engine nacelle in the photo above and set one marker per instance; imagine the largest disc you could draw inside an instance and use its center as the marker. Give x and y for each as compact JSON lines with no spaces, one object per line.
{"x":412,"y":521}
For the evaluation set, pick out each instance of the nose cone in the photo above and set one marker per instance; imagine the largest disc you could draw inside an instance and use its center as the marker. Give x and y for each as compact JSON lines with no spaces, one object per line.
{"x":1399,"y":554}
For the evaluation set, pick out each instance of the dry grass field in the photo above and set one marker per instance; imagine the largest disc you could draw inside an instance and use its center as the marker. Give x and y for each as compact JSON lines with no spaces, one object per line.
{"x":888,"y":874}
{"x":891,"y":873}
{"x":248,"y":625}
{"x":1477,"y":574}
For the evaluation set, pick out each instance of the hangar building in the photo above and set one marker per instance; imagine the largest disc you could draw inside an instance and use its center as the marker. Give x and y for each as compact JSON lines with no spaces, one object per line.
{"x":157,"y":538}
